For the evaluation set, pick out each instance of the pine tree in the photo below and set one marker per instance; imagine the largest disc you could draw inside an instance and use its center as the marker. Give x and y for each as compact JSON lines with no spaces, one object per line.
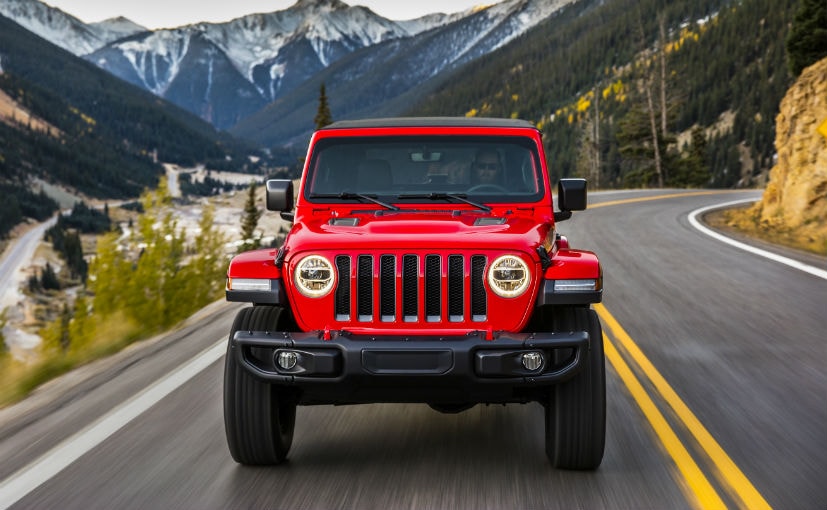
{"x":698,"y":165}
{"x":323,"y":116}
{"x":73,"y":253}
{"x":807,"y":42}
{"x":48,"y":279}
{"x":634,"y":140}
{"x":249,"y":222}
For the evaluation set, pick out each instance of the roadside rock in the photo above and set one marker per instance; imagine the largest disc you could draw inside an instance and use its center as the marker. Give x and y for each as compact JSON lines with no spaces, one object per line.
{"x":796,"y":195}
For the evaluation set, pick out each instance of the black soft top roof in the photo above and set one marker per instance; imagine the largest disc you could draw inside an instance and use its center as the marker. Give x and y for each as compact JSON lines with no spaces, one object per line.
{"x":431,"y":121}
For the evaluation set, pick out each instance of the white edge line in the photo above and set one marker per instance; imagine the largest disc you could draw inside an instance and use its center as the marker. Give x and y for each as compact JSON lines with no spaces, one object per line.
{"x":757,"y":251}
{"x":27,"y":479}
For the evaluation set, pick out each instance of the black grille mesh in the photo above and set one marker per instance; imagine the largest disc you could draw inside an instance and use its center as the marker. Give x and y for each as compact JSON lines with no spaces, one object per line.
{"x":456,"y":296}
{"x":410,"y":283}
{"x":365,"y":288}
{"x":455,"y":285}
{"x":433,"y":303}
{"x":343,"y":288}
{"x":387,"y":287}
{"x":478,"y":298}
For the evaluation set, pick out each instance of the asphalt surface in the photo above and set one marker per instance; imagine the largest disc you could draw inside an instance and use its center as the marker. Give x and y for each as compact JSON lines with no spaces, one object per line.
{"x":739,"y":338}
{"x":13,"y":260}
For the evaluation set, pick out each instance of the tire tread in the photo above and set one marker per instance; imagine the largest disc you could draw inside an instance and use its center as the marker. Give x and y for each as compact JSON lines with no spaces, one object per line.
{"x":258,"y":416}
{"x":576,"y":410}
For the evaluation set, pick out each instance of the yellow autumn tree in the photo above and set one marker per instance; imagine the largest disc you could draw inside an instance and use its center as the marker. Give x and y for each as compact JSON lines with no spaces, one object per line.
{"x":203,"y":275}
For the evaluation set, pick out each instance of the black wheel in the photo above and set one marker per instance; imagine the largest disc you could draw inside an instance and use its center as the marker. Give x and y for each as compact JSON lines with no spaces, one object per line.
{"x":259,"y":417}
{"x":576,"y":409}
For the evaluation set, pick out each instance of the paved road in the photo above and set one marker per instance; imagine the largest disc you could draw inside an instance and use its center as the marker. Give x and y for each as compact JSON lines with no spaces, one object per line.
{"x":15,"y":258}
{"x":716,"y":394}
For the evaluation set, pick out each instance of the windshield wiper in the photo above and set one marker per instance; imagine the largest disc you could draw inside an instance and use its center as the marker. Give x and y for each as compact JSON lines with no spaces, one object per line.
{"x":346,"y":195}
{"x":462,"y":197}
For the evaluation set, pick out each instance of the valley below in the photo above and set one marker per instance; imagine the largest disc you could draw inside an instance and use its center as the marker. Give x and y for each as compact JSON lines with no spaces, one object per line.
{"x":26,"y":252}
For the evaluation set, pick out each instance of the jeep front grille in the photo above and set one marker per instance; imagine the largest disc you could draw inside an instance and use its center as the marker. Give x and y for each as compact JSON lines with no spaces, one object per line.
{"x":411,"y":288}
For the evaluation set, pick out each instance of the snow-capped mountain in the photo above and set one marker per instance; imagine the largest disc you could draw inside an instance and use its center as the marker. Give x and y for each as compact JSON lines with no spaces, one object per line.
{"x":429,"y":21}
{"x":65,"y":30}
{"x":263,"y":56}
{"x":226,"y":72}
{"x":319,"y":32}
{"x":113,"y":29}
{"x":385,"y":79}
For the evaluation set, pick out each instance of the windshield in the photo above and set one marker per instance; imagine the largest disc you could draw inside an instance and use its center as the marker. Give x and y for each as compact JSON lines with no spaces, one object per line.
{"x":418,"y":169}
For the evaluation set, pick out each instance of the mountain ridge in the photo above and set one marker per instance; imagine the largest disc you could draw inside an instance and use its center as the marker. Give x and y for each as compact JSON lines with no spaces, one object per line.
{"x":270,"y":55}
{"x":65,"y":30}
{"x":386,"y":78}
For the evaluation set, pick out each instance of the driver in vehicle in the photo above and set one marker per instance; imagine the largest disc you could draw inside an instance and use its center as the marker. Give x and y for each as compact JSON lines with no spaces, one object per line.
{"x":487,"y":167}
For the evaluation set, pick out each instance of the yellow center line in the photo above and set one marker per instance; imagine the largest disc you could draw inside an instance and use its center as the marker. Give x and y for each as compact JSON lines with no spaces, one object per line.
{"x":706,"y":496}
{"x":661,"y":197}
{"x":732,"y":477}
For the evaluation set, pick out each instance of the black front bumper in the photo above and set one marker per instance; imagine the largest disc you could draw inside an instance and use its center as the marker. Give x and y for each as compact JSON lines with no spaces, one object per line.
{"x":350,"y":368}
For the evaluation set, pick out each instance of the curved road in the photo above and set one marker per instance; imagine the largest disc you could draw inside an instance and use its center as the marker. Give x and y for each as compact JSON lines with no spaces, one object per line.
{"x":16,"y":257}
{"x":716,"y":398}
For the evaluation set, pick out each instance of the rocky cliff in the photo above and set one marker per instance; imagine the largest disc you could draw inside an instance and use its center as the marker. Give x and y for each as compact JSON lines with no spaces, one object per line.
{"x":795,"y":200}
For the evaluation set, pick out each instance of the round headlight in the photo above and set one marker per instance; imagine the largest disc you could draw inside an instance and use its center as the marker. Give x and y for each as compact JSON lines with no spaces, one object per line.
{"x":509,"y":276}
{"x":314,"y":276}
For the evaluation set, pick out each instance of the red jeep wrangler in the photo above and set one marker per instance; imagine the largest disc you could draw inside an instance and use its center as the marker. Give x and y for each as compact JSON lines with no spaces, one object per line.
{"x":423,"y":265}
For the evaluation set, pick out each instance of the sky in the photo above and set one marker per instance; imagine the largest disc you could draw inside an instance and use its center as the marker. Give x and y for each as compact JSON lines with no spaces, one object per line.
{"x":173,"y":13}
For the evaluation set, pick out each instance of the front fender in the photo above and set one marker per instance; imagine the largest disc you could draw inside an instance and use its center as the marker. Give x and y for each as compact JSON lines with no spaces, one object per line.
{"x":572,"y":265}
{"x":253,"y":277}
{"x":255,"y":264}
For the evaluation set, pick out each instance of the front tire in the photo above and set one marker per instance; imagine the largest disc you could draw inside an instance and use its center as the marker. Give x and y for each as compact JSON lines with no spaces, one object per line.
{"x":259,"y":417}
{"x":576,"y":409}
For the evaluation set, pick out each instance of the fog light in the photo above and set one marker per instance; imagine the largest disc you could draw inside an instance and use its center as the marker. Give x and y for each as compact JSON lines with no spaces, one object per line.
{"x":287,"y":359}
{"x":532,"y":360}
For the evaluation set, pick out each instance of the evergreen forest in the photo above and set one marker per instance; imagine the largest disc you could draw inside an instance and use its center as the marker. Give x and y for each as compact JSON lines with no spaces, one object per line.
{"x":636,"y":93}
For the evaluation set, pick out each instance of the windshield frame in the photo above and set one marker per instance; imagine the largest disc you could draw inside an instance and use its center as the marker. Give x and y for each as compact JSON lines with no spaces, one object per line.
{"x":529,"y":168}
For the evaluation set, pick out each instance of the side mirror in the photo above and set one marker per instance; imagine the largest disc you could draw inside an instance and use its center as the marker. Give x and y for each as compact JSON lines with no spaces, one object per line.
{"x":571,"y":196}
{"x":279,"y":195}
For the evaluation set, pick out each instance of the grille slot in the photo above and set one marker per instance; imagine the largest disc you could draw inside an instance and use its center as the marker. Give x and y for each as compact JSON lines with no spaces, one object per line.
{"x":364,"y":288}
{"x":411,"y":288}
{"x":479,"y":305}
{"x":387,"y":288}
{"x":433,"y":301}
{"x":456,"y":294}
{"x":343,"y":288}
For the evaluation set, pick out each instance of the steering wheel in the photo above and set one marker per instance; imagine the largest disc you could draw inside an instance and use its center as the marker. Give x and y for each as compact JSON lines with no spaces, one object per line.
{"x":487,"y":188}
